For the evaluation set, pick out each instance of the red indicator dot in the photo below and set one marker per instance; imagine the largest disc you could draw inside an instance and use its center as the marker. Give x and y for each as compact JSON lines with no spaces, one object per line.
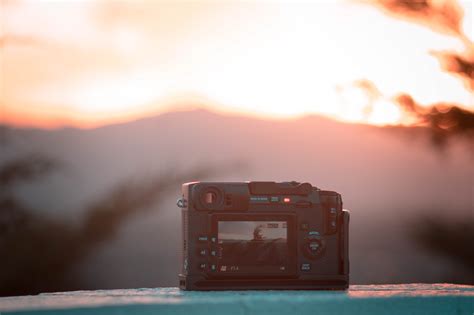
{"x":286,"y":199}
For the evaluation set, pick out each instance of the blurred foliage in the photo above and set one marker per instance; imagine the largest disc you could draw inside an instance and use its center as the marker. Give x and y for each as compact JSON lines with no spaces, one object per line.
{"x":441,"y":15}
{"x":459,"y":65}
{"x":449,"y":238}
{"x":38,"y":253}
{"x":453,"y":238}
{"x":444,"y":120}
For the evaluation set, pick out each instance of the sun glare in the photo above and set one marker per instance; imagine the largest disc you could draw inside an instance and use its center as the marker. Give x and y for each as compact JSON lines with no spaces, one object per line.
{"x":272,"y":59}
{"x":116,"y":93}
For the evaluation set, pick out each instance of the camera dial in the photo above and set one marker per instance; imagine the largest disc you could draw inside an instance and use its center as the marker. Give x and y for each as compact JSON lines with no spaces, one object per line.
{"x":313,"y":247}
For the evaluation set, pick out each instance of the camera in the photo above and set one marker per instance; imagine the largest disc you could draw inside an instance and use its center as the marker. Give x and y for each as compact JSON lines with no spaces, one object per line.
{"x":263,"y":235}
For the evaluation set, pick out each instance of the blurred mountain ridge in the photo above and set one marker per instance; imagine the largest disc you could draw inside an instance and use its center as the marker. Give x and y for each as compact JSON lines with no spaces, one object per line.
{"x":193,"y":110}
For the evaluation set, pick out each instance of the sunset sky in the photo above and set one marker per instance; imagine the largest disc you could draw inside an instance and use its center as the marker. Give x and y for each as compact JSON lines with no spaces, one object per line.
{"x":88,"y":63}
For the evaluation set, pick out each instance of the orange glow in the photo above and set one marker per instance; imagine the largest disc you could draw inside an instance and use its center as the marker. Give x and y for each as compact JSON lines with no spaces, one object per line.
{"x":95,"y":62}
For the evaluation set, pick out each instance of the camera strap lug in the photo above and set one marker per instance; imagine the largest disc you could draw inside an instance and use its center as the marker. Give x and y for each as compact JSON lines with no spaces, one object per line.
{"x":182,"y":203}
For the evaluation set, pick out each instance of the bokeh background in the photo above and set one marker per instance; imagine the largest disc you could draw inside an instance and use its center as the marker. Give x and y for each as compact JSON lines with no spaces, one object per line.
{"x":106,"y":107}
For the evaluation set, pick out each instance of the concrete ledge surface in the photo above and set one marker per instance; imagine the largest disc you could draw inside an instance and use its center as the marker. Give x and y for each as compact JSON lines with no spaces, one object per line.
{"x":359,"y":299}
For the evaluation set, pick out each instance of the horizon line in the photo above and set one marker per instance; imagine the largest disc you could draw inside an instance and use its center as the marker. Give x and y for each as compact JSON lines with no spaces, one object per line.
{"x":51,"y":124}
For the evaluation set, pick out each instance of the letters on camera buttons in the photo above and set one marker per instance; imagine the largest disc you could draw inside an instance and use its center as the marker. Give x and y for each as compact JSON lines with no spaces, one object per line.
{"x":213,"y":239}
{"x":305,"y":267}
{"x":202,"y":238}
{"x":202,"y":266}
{"x":213,"y":267}
{"x":213,"y":253}
{"x":313,"y":234}
{"x":203,"y":252}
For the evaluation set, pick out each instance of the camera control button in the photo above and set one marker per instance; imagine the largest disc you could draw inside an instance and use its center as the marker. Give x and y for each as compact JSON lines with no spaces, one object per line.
{"x":203,"y":252}
{"x":213,"y":252}
{"x":213,"y":239}
{"x":314,"y":246}
{"x":203,"y":238}
{"x":202,"y":266}
{"x":213,"y":267}
{"x":313,"y":249}
{"x":305,"y":267}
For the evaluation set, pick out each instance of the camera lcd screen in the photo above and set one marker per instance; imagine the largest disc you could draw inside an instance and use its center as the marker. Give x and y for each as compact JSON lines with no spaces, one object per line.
{"x":252,"y":245}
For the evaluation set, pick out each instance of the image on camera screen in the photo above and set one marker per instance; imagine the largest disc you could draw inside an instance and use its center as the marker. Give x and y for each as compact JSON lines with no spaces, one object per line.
{"x":244,"y":244}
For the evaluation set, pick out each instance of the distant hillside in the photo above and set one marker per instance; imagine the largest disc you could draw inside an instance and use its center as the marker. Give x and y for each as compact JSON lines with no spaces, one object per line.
{"x":387,"y":176}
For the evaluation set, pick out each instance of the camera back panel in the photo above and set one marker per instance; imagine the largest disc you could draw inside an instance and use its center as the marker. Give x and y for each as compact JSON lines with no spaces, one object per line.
{"x":263,"y":235}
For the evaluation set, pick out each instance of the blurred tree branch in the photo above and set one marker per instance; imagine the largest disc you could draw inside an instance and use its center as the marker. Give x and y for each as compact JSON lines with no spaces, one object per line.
{"x":104,"y":217}
{"x":26,"y":168}
{"x":444,"y":16}
{"x":444,"y":120}
{"x":459,"y":65}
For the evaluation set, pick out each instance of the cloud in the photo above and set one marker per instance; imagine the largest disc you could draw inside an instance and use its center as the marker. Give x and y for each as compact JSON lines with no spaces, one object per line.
{"x":19,"y":40}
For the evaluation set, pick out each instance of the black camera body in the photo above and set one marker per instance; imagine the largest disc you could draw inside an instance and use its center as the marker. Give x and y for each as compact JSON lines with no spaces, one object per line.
{"x":263,"y":235}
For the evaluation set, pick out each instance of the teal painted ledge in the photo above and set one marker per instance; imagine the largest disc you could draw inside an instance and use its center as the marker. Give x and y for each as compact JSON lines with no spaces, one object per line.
{"x":359,"y":299}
